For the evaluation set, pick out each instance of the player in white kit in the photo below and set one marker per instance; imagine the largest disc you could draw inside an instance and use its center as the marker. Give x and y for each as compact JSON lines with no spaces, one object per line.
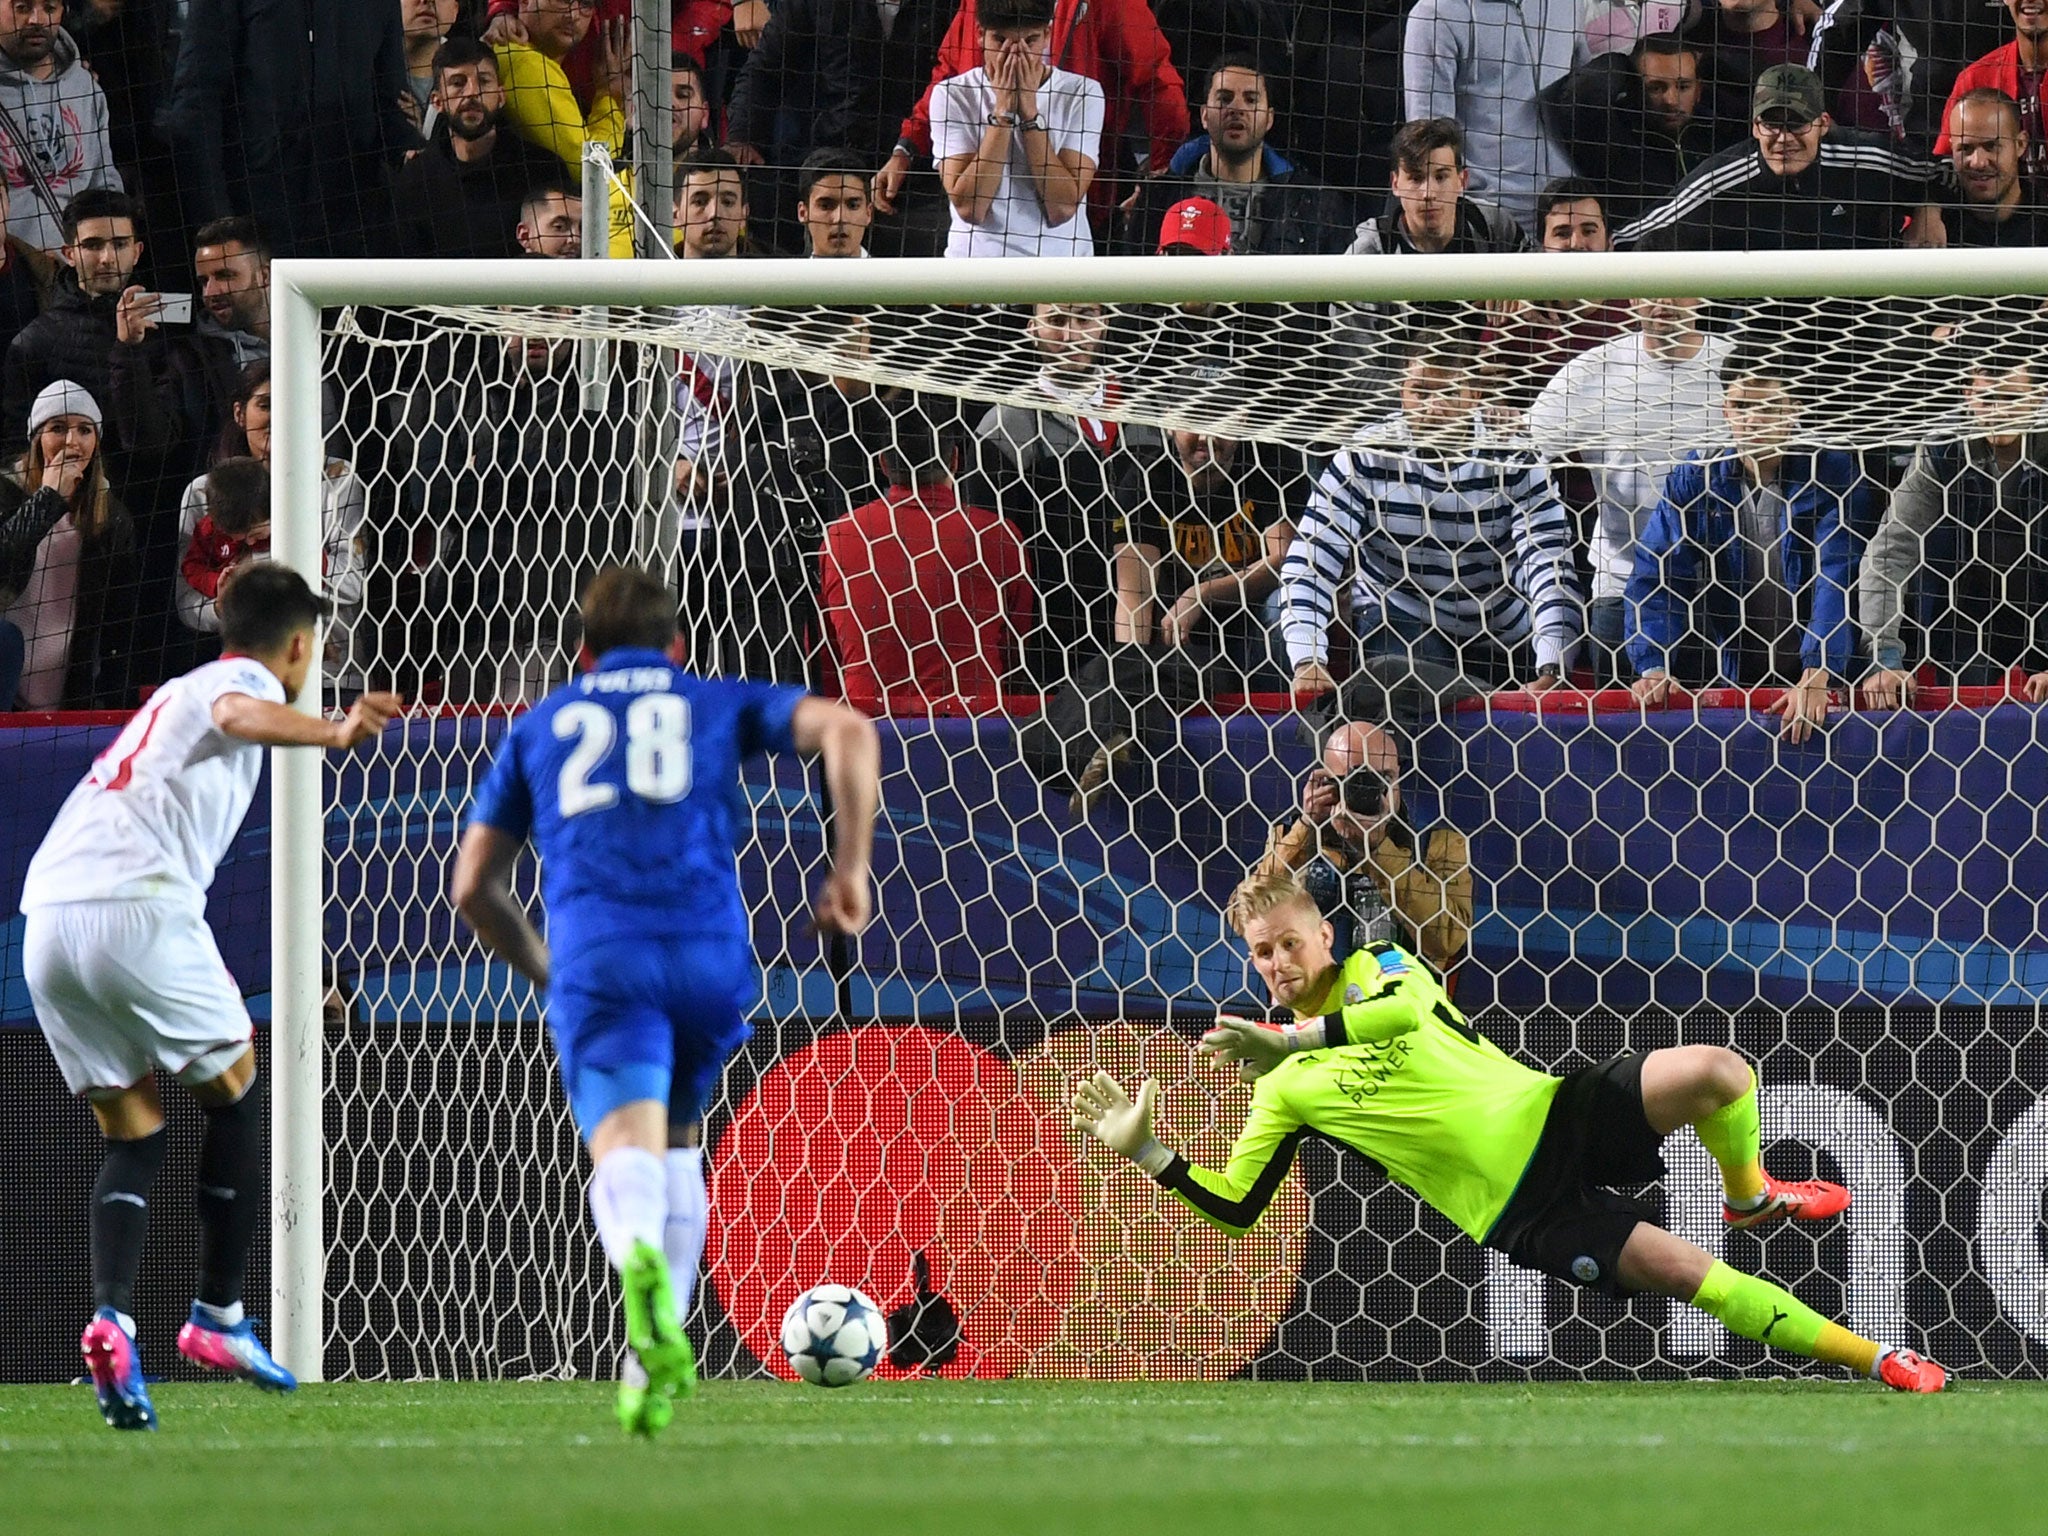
{"x":127,"y":981}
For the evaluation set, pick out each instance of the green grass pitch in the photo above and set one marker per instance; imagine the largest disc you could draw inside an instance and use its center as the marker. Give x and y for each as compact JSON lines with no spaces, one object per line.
{"x":1071,"y":1459}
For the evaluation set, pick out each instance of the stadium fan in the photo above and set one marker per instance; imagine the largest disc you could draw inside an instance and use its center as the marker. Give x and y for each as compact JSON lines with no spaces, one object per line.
{"x":1116,"y":43}
{"x":1862,"y":59}
{"x":2020,"y":70}
{"x":1017,"y":141}
{"x":831,"y":74}
{"x":461,"y":195}
{"x":1533,"y":338}
{"x":1636,"y":123}
{"x":53,"y":124}
{"x":427,"y":25}
{"x":1053,"y":471}
{"x":1988,"y":146}
{"x":1744,"y":570}
{"x":925,"y":594}
{"x":291,"y":114}
{"x":1802,"y":184}
{"x":1486,"y":64}
{"x":128,"y":983}
{"x":1429,"y":211}
{"x":1379,"y":1060}
{"x":1197,"y":544}
{"x":68,"y":565}
{"x":550,"y":223}
{"x":344,"y":502}
{"x":1374,"y":878}
{"x":624,"y":781}
{"x":547,"y":113}
{"x":174,"y":388}
{"x":73,"y":338}
{"x":1462,"y":540}
{"x":1651,"y":394}
{"x":832,"y":205}
{"x":1274,"y":206}
{"x":697,"y":26}
{"x":689,"y":123}
{"x":1963,"y":547}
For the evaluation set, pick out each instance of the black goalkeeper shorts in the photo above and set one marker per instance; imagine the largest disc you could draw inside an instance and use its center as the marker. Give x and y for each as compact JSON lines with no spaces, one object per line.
{"x":1562,"y":1218}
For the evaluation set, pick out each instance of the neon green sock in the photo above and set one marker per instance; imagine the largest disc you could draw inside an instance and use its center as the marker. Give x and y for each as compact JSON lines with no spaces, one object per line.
{"x":1759,"y":1310}
{"x":1733,"y":1137}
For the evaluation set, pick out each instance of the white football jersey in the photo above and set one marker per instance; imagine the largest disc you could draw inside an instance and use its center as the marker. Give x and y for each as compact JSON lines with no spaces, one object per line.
{"x":157,"y":810}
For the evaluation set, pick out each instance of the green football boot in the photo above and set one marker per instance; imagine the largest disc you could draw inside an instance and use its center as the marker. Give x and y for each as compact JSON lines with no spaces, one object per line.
{"x":663,"y":1367}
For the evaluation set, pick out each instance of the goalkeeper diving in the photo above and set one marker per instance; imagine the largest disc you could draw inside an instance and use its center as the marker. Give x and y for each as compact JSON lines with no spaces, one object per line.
{"x":1379,"y":1060}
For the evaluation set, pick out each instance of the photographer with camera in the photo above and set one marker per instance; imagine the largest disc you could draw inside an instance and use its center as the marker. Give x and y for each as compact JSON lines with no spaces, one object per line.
{"x":1375,"y":879}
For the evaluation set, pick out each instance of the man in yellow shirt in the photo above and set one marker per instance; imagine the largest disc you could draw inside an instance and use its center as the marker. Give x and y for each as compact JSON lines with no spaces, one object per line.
{"x":1379,"y":1060}
{"x":544,"y":111}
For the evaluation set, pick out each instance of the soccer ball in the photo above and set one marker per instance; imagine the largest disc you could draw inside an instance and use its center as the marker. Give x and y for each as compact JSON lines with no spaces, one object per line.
{"x":834,"y":1336}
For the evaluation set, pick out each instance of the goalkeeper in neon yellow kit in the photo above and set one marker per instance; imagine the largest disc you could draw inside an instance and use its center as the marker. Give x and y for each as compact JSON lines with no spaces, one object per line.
{"x":1379,"y":1060}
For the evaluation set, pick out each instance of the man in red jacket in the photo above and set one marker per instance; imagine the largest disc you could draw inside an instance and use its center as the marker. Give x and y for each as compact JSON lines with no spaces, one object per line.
{"x":923,"y":596}
{"x":2020,"y":69}
{"x":1115,"y":43}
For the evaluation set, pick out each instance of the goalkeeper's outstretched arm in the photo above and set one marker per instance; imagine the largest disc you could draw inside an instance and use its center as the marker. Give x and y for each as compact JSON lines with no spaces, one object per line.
{"x":1232,"y":1200}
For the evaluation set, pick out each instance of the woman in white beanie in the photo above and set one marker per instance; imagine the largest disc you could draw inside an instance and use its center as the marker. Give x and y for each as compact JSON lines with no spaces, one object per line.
{"x":68,"y":566}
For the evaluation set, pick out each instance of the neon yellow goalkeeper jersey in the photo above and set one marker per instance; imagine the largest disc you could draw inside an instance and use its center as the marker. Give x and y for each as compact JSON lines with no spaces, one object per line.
{"x":1412,"y":1086}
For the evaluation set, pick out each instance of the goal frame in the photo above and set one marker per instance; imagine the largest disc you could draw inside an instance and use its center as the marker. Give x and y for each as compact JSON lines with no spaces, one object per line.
{"x":301,"y":288}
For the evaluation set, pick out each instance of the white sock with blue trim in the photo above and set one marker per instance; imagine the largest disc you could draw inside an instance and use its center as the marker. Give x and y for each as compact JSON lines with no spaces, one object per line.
{"x":628,"y":1201}
{"x":689,"y":1217}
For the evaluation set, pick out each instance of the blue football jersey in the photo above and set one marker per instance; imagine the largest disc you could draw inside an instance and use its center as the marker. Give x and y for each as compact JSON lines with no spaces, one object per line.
{"x":626,"y":780}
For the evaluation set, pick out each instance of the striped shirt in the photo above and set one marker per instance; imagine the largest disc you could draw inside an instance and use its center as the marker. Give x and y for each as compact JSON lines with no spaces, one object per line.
{"x":1473,"y":545}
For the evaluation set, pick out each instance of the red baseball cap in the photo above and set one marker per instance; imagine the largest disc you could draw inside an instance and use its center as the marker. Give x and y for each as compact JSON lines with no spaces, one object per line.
{"x":1198,"y":224}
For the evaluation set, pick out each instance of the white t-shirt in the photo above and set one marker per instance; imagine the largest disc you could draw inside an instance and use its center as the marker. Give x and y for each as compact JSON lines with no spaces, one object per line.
{"x":1630,"y":415}
{"x":157,"y":810}
{"x":1071,"y":105}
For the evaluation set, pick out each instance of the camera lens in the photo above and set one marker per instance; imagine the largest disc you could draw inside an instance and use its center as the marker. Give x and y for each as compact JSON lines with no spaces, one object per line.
{"x":1365,"y":792}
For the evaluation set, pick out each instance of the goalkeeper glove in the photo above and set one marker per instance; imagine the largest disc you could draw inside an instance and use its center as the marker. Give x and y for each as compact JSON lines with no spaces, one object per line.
{"x":1119,"y":1122}
{"x":1256,"y":1048}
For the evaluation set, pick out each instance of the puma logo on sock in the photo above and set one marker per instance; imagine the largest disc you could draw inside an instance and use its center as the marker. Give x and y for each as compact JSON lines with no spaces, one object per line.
{"x":1777,"y":1317}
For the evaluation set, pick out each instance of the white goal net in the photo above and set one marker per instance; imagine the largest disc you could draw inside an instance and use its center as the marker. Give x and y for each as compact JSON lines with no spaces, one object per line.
{"x":1617,"y":591}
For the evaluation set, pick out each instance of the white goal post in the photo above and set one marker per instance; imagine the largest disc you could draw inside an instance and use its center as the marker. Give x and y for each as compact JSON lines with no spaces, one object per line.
{"x":598,"y":296}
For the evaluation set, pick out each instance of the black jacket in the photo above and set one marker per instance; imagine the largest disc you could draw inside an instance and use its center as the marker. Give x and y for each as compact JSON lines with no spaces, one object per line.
{"x":103,"y":620}
{"x":828,"y":61}
{"x":444,"y":207}
{"x":1855,"y":195}
{"x":1597,"y":113}
{"x":72,"y":339}
{"x":1285,"y":214}
{"x":288,"y":110}
{"x":171,"y":395}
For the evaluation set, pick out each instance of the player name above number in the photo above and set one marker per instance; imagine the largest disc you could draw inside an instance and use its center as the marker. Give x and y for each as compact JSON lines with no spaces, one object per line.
{"x":628,"y":680}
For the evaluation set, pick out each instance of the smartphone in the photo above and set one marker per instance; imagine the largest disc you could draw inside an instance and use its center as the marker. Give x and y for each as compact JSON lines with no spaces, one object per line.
{"x":174,"y":309}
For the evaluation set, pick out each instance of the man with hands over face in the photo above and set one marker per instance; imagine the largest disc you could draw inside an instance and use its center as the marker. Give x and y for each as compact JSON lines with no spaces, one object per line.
{"x":1017,"y":142}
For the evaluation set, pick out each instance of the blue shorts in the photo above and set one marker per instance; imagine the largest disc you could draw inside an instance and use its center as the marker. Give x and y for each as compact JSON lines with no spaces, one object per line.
{"x":648,"y":1019}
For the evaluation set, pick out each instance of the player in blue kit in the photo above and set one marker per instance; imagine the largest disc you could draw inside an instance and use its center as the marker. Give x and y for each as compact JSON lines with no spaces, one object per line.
{"x":626,"y":781}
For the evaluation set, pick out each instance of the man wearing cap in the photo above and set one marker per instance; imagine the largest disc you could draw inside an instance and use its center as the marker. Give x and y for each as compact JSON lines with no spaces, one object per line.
{"x":1801,"y":183}
{"x":1194,"y":226}
{"x":1272,"y":207}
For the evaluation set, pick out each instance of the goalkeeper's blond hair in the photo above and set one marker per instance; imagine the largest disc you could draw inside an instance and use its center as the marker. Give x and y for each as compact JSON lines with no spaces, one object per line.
{"x":1264,"y":890}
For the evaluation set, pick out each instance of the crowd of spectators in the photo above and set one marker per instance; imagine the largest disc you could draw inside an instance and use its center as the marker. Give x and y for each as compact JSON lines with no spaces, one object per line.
{"x":1619,"y":495}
